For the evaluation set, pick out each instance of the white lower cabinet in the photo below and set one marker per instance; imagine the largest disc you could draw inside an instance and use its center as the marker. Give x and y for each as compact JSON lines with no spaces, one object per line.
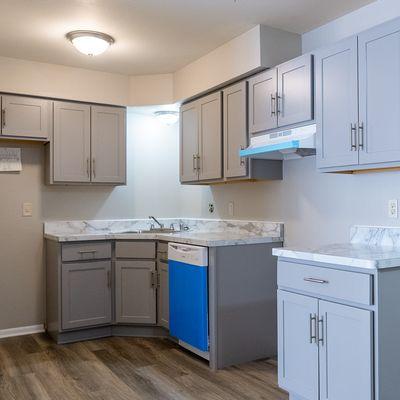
{"x":325,"y":349}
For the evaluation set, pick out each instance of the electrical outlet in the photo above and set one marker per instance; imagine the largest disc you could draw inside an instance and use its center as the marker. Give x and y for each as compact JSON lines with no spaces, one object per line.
{"x":393,"y":208}
{"x":27,"y":209}
{"x":231,"y":209}
{"x":211,"y":207}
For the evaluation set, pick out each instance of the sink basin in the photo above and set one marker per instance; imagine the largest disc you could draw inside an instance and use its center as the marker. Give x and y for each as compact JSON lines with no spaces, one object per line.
{"x":155,"y":230}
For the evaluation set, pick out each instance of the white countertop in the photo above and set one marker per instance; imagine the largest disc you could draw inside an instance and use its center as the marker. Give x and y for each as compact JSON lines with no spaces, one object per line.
{"x":218,"y":233}
{"x":349,"y":254}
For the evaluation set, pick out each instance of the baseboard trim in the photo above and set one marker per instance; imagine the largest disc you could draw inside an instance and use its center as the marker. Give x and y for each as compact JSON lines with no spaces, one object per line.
{"x":23,"y":330}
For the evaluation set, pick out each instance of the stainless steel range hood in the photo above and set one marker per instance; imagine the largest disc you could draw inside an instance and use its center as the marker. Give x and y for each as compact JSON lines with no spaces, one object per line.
{"x":282,"y":145}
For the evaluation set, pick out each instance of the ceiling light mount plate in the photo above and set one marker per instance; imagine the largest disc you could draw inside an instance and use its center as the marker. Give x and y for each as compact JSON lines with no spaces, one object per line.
{"x":91,"y":43}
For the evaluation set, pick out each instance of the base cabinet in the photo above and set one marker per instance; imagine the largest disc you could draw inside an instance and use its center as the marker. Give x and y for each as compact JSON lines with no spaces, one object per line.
{"x":86,"y":294}
{"x":135,"y":292}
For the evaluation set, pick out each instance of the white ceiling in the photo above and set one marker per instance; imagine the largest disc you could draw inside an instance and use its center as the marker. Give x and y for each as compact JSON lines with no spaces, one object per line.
{"x":152,"y":36}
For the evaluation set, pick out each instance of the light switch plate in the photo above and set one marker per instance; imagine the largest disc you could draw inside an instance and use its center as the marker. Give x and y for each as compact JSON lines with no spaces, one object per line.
{"x":27,"y":209}
{"x":393,"y":208}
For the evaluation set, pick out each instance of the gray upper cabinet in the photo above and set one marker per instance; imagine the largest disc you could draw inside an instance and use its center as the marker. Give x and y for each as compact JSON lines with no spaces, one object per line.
{"x":201,"y":139}
{"x":336,"y":104}
{"x":25,"y":117}
{"x":108,"y":144}
{"x":235,"y":130}
{"x":210,"y":143}
{"x":135,"y":292}
{"x":297,"y":351}
{"x":295,"y":91}
{"x":346,"y":359}
{"x":379,"y":101}
{"x":86,"y":294}
{"x":189,"y":142}
{"x":262,"y":101}
{"x":71,"y":142}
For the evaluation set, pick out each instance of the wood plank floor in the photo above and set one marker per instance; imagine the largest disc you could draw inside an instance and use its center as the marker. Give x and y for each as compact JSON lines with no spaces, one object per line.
{"x":34,"y":367}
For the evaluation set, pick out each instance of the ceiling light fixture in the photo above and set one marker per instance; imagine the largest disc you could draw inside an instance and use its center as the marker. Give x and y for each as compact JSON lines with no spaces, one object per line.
{"x":90,"y":43}
{"x":167,"y":117}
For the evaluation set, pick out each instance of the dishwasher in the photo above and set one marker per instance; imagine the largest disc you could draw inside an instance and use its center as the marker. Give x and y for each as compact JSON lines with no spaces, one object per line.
{"x":188,"y":296}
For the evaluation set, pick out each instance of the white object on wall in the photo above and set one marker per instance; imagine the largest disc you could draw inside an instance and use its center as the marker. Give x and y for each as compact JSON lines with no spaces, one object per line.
{"x":10,"y":159}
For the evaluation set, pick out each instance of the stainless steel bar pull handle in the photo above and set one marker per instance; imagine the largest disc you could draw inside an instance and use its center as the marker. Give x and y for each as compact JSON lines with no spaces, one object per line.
{"x":3,"y":117}
{"x":242,"y":160}
{"x":315,"y":280}
{"x":321,"y":332}
{"x":87,"y":251}
{"x":194,"y":162}
{"x":273,"y":105}
{"x":361,"y":136}
{"x":88,"y":167}
{"x":278,"y":104}
{"x":313,"y":328}
{"x":353,"y":137}
{"x":198,"y":162}
{"x":94,"y":167}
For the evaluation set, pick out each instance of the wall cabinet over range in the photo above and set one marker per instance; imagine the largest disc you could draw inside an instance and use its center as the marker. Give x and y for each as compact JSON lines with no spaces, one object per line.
{"x":358,"y":101}
{"x":282,"y":96}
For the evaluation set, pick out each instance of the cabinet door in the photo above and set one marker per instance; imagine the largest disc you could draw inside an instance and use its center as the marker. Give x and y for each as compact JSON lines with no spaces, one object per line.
{"x":295,"y":91}
{"x":379,"y":66}
{"x":189,"y":142}
{"x":163,"y":294}
{"x":210,"y":136}
{"x":235,"y":130}
{"x":108,"y":144}
{"x":71,"y":142}
{"x":336,"y":104}
{"x":262,"y":101}
{"x":135,"y":292}
{"x":86,"y":294}
{"x":297,"y":350}
{"x":345,"y":352}
{"x":26,"y":117}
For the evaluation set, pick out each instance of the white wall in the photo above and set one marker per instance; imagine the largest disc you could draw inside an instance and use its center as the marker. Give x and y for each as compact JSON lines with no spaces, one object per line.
{"x":352,"y":23}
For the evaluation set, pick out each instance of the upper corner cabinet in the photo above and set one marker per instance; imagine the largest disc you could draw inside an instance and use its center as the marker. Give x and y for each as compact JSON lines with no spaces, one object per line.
{"x":358,"y":101}
{"x":201,"y":139}
{"x":282,"y":96}
{"x":88,"y":144}
{"x":25,"y":117}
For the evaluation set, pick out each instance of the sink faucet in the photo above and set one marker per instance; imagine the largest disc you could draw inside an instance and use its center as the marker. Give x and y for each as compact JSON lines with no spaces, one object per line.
{"x":157,"y":222}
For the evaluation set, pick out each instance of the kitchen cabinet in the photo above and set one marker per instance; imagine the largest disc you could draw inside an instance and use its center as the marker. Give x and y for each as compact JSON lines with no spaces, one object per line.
{"x":358,"y":104}
{"x":88,"y":144}
{"x":86,"y":294}
{"x":336,"y":104}
{"x":108,"y":144}
{"x":235,"y":130}
{"x":71,"y":142}
{"x":25,"y":117}
{"x":262,"y":101}
{"x":135,"y":292}
{"x":163,"y":294}
{"x":295,"y":98}
{"x":201,"y":139}
{"x":282,"y":96}
{"x":334,"y":341}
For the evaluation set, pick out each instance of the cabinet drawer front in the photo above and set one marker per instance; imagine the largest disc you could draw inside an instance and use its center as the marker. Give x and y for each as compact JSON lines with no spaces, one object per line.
{"x":134,"y":249}
{"x":86,"y":251}
{"x":349,"y":286}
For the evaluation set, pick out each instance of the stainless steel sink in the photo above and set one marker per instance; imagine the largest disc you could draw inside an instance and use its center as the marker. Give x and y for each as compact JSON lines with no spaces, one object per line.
{"x":154,"y":230}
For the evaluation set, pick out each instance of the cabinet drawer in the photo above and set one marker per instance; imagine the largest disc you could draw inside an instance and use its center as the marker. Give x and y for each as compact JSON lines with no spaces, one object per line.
{"x":349,"y":286}
{"x":86,"y":251}
{"x":132,"y":249}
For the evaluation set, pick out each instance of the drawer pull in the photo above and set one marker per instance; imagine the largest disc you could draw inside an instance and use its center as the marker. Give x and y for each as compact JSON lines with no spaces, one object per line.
{"x":316,"y":280}
{"x":87,"y":251}
{"x":321,"y":330}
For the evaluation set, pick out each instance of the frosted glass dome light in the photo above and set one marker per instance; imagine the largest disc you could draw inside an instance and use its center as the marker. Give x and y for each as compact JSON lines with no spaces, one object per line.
{"x":167,"y":117}
{"x":89,"y":42}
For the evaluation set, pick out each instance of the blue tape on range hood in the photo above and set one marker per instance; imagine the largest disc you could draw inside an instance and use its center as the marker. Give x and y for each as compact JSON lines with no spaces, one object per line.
{"x":293,"y":144}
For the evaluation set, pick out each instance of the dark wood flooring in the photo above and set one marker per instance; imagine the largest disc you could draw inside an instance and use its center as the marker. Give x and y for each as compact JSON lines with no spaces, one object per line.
{"x":34,"y":367}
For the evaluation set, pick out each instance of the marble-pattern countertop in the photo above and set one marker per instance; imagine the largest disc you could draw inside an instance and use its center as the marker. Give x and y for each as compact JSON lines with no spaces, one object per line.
{"x":369,"y":247}
{"x":206,"y":232}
